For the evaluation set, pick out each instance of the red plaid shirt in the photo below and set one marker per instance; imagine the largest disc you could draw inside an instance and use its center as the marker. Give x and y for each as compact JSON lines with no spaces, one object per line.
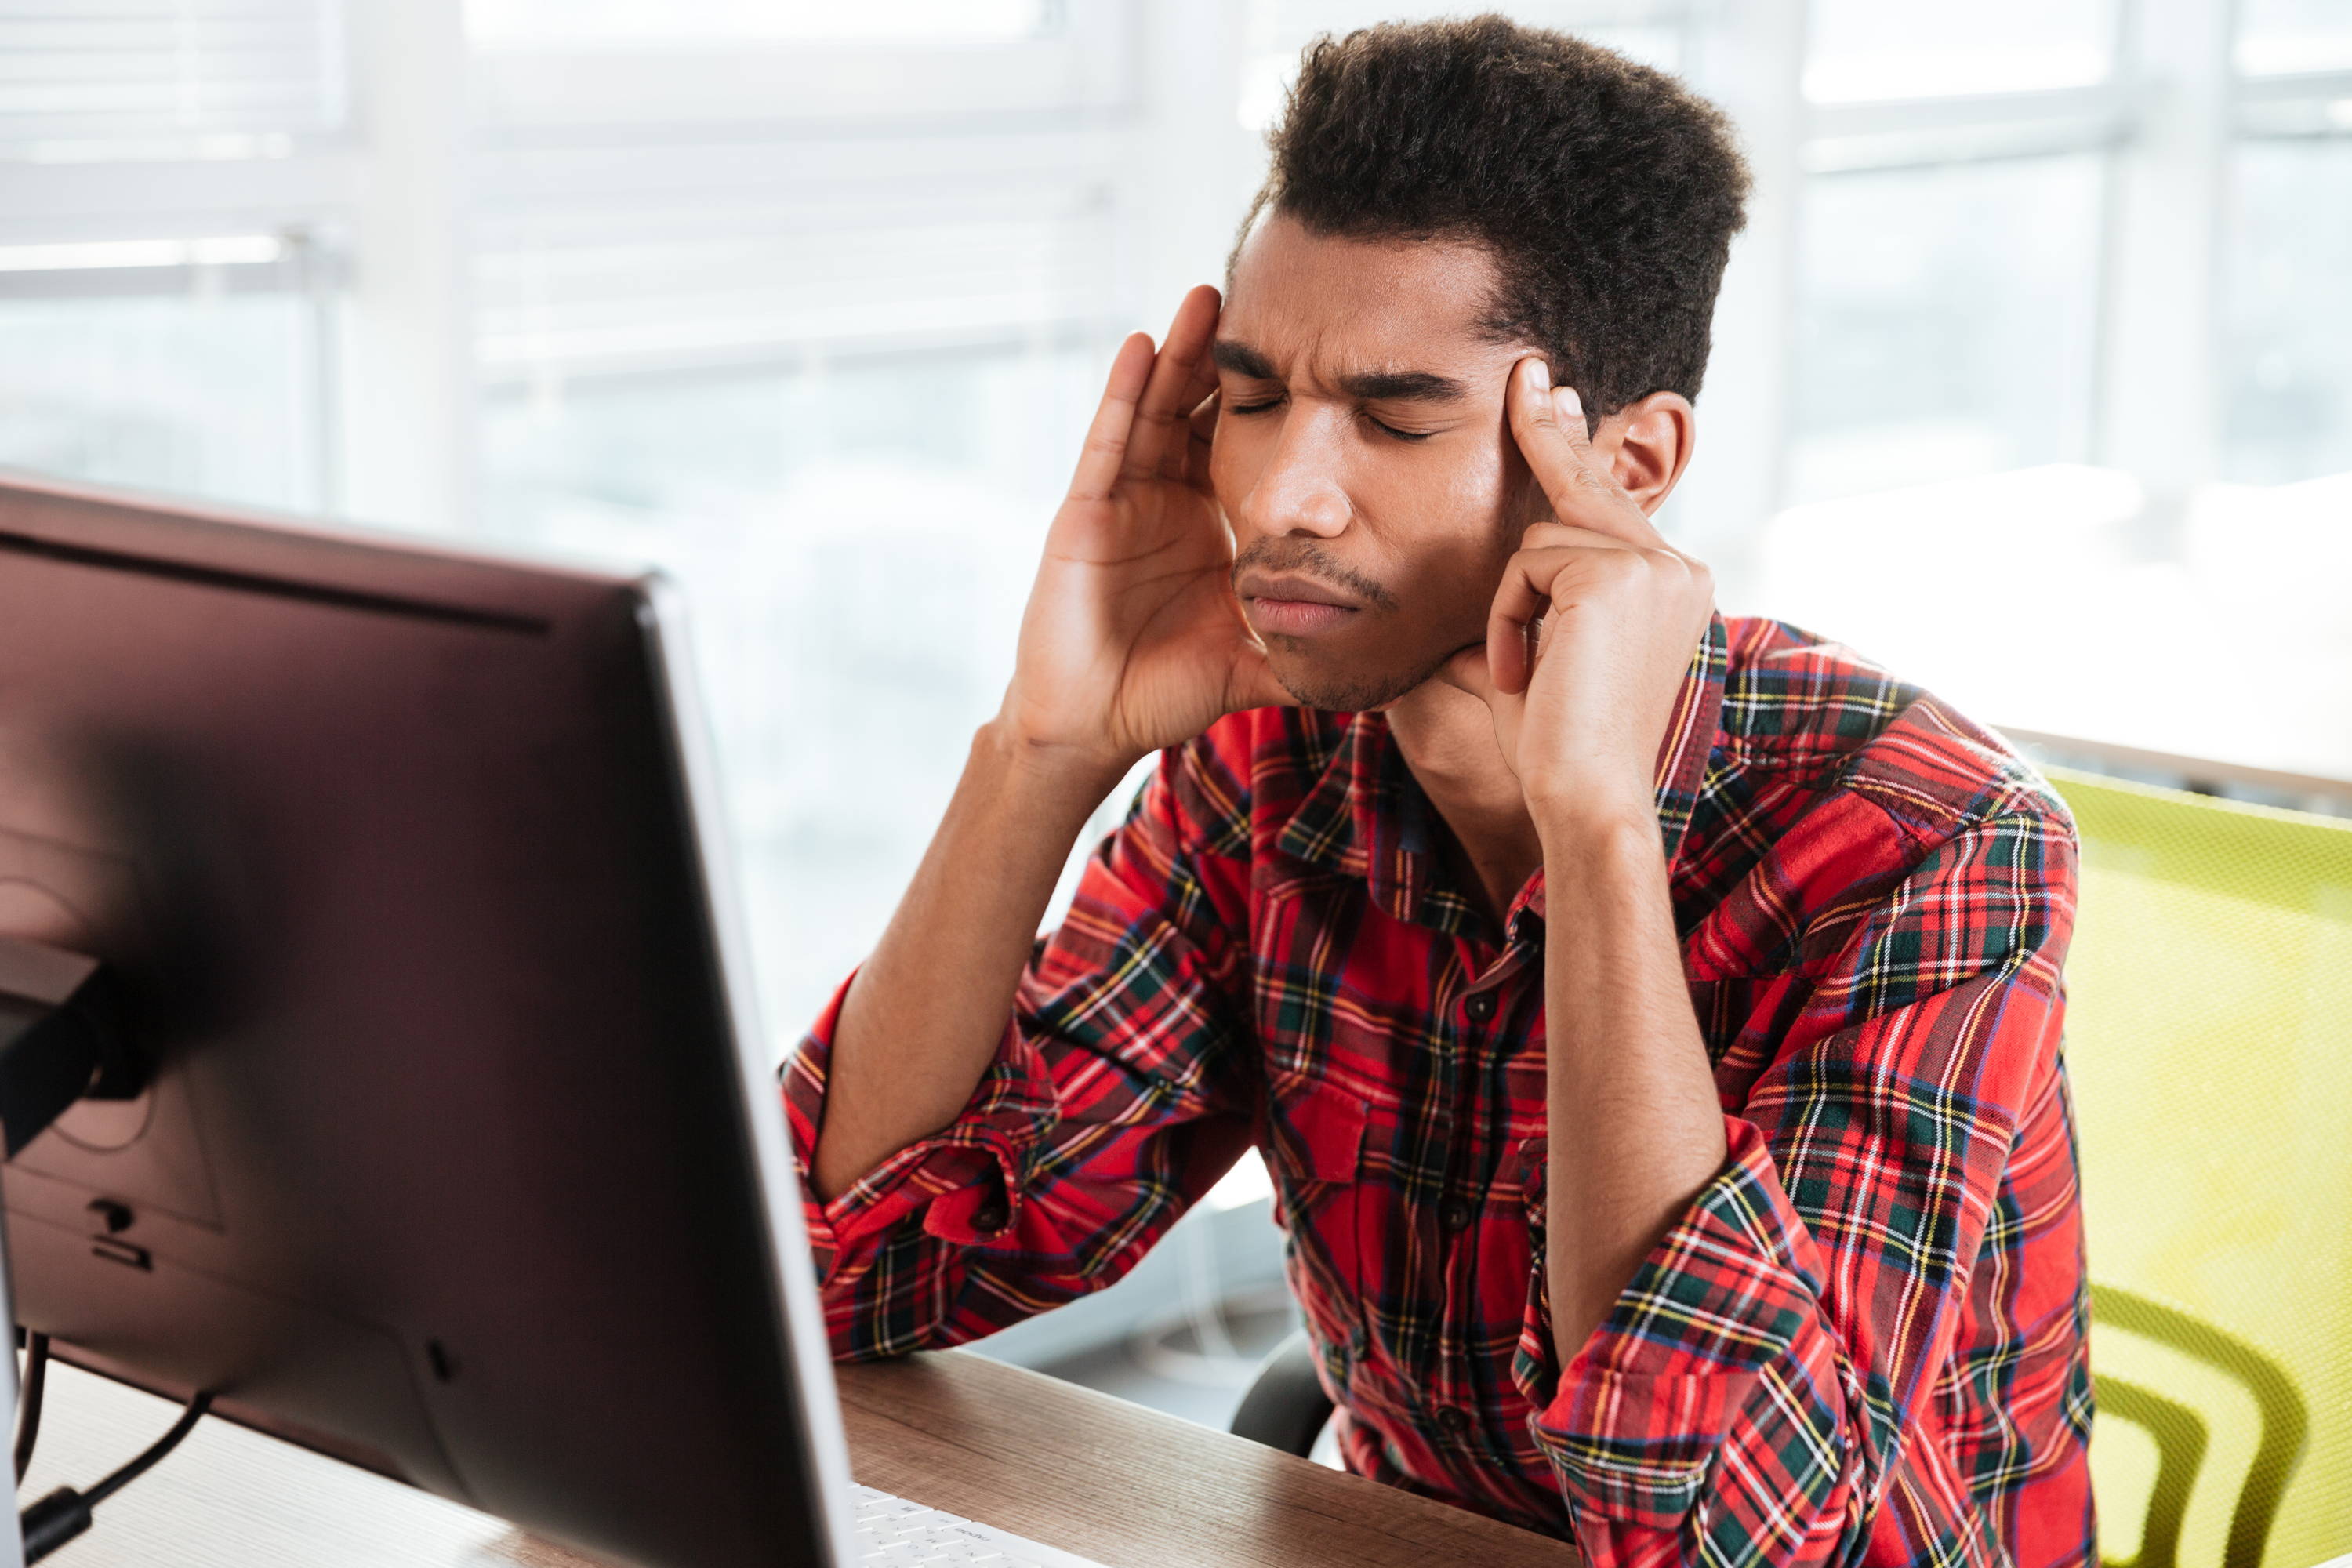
{"x":1864,"y":1342}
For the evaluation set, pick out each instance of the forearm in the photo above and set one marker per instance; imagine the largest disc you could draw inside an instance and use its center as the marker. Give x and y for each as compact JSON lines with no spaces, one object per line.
{"x":922,"y":1020}
{"x":1635,"y":1129}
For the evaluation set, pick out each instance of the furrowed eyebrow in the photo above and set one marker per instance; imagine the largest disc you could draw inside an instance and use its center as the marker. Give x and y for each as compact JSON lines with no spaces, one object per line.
{"x":1370,"y":386}
{"x":1242,"y":359}
{"x":1401,"y":386}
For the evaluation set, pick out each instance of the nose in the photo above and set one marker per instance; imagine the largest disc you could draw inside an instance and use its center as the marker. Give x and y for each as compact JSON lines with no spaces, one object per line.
{"x":1298,"y":489}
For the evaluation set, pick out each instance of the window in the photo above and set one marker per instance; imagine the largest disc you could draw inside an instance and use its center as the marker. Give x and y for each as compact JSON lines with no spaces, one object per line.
{"x":2048,"y":304}
{"x":2281,"y":37}
{"x":1864,"y":50}
{"x":546,"y":69}
{"x":1945,"y":322}
{"x":168,"y":79}
{"x":855,"y":537}
{"x":165,"y":287}
{"x":2286,"y":324}
{"x":199,"y":389}
{"x":628,"y":24}
{"x":829,"y":369}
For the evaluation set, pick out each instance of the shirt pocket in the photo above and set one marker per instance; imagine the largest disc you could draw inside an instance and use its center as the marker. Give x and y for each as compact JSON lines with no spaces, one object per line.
{"x":1314,"y":1146}
{"x":1526,"y":1085}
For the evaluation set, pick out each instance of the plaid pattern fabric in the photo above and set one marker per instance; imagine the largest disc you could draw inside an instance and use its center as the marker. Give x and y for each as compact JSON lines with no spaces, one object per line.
{"x":1864,"y":1342}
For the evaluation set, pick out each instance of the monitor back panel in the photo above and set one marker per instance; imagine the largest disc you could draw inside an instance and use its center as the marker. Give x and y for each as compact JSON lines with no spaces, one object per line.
{"x":444,"y":1167}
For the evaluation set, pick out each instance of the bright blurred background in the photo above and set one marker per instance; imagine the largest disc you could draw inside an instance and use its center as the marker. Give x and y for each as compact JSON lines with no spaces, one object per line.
{"x":2032,"y":374}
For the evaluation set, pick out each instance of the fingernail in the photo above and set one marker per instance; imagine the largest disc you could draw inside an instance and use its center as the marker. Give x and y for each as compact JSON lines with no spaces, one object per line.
{"x":1540,"y":374}
{"x":1568,"y":401}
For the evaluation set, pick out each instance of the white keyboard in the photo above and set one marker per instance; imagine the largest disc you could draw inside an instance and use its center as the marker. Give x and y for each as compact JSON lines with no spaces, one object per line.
{"x":896,"y":1533}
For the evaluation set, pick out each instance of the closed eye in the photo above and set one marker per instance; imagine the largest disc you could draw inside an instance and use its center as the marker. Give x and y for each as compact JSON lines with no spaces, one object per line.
{"x":1401,"y":434}
{"x":1267,"y":405}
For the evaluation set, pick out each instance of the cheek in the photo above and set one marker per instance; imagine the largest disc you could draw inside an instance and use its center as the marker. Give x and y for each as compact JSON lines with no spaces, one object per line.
{"x":1461,"y":574}
{"x":1459,"y":485}
{"x":1489,"y":483}
{"x":1464,"y":513}
{"x":1237,"y":451}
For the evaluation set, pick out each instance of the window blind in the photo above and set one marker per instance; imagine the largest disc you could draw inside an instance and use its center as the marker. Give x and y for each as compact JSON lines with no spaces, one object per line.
{"x":168,"y":78}
{"x":653,"y":290}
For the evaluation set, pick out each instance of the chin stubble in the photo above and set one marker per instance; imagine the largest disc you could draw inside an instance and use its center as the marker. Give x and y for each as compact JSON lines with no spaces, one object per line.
{"x":1352,"y":693}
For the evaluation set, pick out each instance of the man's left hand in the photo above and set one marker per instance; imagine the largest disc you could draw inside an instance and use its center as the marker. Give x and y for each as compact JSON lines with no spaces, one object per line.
{"x":1592,"y":627}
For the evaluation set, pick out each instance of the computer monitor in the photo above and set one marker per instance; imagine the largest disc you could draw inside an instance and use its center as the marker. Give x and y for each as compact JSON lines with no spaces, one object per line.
{"x":458,"y":1155}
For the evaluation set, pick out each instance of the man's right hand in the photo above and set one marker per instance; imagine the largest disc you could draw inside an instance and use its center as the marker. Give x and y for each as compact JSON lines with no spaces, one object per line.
{"x":1132,"y":639}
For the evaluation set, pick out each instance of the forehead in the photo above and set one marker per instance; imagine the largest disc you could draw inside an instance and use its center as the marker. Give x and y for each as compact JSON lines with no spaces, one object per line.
{"x":1323,"y":303}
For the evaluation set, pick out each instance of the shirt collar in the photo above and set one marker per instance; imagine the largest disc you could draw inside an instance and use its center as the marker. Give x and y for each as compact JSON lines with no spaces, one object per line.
{"x":1366,"y":816}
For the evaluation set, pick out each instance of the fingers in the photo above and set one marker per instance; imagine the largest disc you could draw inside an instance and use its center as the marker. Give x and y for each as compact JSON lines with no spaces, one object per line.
{"x":1160,"y":437}
{"x":1176,"y":453}
{"x":1560,"y":567}
{"x":1552,"y":535}
{"x":1107,"y":437}
{"x":1519,"y":602}
{"x":1201,"y":437}
{"x":1530,"y":580}
{"x":1547,"y":422}
{"x":1253,"y":684}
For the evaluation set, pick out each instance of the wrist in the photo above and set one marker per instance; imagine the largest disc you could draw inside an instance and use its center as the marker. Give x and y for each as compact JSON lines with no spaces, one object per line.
{"x":1057,"y":770}
{"x":1583,"y":822}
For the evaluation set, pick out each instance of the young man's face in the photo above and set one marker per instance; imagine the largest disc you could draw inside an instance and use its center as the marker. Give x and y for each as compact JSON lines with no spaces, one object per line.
{"x":1363,"y":454}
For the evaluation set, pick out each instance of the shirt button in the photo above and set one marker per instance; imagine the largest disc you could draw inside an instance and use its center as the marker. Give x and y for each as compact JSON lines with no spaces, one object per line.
{"x":1453,"y":1422}
{"x":989,"y":1219}
{"x":1480,"y":1006}
{"x":1456,"y":1216}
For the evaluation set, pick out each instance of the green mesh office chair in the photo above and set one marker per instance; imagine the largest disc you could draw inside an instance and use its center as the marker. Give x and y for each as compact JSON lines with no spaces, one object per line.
{"x":2209,"y":1035}
{"x":2209,"y":1041}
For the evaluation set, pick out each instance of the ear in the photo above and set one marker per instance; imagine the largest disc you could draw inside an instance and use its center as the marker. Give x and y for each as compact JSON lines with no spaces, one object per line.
{"x":1647,"y":445}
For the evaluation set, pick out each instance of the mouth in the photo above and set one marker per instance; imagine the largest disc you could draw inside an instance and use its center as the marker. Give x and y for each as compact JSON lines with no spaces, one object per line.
{"x":1293,"y":606}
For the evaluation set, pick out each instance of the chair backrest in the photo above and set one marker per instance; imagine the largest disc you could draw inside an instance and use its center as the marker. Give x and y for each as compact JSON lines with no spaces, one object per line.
{"x":2208,"y":1039}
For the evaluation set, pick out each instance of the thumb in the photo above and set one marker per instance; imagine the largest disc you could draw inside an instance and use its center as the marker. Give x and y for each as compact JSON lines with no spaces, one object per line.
{"x":1253,"y":683}
{"x":1467,"y":671}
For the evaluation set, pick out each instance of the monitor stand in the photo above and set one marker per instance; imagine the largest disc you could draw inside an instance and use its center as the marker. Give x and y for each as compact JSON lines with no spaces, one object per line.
{"x":61,"y":1041}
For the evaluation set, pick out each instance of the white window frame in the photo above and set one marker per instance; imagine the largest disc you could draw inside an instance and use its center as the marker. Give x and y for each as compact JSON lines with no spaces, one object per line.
{"x":2164,"y":122}
{"x":1081,"y":63}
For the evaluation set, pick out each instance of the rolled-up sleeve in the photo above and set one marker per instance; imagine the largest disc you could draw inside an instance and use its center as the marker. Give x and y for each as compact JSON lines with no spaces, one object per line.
{"x":1121,"y":1088}
{"x":1764,"y":1389}
{"x":962,"y":1184}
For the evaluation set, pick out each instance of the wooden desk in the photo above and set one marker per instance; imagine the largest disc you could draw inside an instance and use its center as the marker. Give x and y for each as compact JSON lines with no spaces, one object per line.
{"x":1096,"y":1476}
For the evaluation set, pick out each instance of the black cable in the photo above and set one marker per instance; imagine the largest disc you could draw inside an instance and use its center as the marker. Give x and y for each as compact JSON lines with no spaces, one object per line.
{"x":155,"y":1450}
{"x":29,"y":1403}
{"x":65,"y":1512}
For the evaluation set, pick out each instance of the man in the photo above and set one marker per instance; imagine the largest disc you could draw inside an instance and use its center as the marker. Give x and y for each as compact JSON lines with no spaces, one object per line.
{"x":1650,"y":1019}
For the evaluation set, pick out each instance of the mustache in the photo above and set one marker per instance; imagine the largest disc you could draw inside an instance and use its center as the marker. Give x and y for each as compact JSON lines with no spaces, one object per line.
{"x":1304,"y":557}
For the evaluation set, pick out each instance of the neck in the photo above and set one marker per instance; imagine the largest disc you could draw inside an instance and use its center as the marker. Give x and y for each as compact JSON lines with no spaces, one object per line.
{"x":1447,"y":736}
